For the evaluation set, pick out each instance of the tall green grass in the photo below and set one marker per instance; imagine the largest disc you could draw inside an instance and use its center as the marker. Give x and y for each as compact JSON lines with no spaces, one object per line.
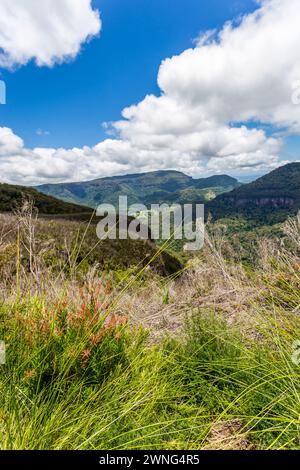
{"x":76,"y":381}
{"x":80,"y":374}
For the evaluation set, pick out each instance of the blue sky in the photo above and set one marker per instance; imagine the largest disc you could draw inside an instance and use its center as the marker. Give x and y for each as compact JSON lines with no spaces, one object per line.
{"x":217,"y":106}
{"x":70,"y":101}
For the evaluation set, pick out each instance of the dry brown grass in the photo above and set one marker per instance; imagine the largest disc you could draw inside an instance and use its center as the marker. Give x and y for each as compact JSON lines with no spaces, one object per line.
{"x":228,"y":436}
{"x":212,"y":283}
{"x":29,"y":265}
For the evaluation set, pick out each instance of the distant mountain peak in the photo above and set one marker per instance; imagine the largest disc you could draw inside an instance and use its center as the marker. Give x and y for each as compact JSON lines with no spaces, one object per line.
{"x":155,"y":187}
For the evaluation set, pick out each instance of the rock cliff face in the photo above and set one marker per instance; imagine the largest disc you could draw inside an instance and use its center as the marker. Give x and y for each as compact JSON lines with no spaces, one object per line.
{"x":275,"y":202}
{"x":269,"y":199}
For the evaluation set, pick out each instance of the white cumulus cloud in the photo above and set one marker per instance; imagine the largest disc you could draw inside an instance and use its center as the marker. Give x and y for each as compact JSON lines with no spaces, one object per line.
{"x":47,"y":31}
{"x":225,"y":105}
{"x":217,"y":97}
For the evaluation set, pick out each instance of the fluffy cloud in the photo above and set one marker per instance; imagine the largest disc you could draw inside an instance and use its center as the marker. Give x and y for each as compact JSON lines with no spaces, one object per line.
{"x":231,"y":149}
{"x":21,"y":165}
{"x":246,"y":73}
{"x":213,"y":94}
{"x":222,"y":107}
{"x":48,"y":33}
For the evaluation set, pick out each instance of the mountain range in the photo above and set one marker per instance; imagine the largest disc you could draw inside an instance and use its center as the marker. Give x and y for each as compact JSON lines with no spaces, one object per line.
{"x":268,"y":200}
{"x":147,"y":188}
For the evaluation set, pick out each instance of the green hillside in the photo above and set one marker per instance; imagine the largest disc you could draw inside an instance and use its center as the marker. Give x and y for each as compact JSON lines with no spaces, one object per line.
{"x":11,"y":196}
{"x":147,"y":188}
{"x":268,"y":200}
{"x":72,"y":222}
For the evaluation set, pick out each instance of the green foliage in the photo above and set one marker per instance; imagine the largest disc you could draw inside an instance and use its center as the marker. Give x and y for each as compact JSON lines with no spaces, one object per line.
{"x":243,"y":237}
{"x":71,"y":248}
{"x":12,"y":196}
{"x":268,"y":200}
{"x":93,"y":385}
